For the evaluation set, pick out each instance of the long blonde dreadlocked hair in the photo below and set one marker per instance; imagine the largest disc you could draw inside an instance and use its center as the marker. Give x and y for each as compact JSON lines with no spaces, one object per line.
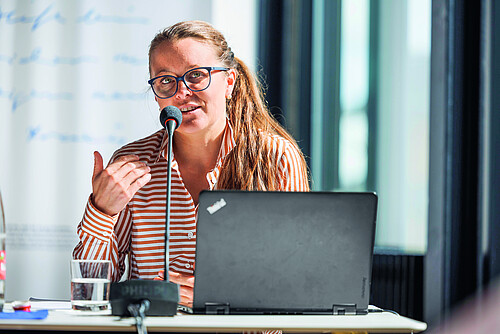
{"x":250,"y":165}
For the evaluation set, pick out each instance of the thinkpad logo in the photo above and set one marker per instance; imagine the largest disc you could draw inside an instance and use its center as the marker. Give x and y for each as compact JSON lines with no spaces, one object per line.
{"x":216,"y":206}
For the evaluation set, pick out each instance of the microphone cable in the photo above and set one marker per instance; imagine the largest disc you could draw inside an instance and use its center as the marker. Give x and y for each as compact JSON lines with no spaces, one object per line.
{"x":138,"y":311}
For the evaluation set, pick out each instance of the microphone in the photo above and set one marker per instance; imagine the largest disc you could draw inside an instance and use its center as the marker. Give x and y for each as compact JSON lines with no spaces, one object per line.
{"x":171,"y":119}
{"x":162,"y":296}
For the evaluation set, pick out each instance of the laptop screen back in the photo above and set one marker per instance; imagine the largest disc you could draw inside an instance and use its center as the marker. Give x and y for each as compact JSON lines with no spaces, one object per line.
{"x":284,"y":252}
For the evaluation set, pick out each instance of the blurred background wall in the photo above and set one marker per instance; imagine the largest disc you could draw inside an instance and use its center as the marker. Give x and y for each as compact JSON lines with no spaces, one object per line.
{"x":73,"y":79}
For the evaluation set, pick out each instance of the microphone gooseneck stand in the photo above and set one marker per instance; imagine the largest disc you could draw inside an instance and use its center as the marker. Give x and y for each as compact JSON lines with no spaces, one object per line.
{"x":141,"y":298}
{"x":170,"y":128}
{"x":171,"y":119}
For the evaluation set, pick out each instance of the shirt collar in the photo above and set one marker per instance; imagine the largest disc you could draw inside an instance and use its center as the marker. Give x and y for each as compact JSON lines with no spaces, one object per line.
{"x":227,"y":144}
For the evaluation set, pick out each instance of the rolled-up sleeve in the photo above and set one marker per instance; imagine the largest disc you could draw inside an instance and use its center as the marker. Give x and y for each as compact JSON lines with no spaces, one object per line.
{"x":104,"y":237}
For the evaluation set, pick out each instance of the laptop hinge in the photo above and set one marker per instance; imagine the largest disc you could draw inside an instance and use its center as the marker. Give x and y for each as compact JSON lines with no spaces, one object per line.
{"x":344,"y":309}
{"x":216,"y":308}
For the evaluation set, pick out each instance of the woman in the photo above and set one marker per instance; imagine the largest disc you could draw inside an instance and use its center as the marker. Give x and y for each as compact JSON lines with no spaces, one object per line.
{"x":227,"y":140}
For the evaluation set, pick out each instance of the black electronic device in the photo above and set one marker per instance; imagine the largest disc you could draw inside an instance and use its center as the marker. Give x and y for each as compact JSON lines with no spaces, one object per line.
{"x":162,"y":295}
{"x":264,"y":252}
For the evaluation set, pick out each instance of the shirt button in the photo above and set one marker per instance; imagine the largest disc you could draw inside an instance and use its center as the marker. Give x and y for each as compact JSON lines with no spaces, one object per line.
{"x":188,"y":265}
{"x":190,"y":235}
{"x":105,"y":234}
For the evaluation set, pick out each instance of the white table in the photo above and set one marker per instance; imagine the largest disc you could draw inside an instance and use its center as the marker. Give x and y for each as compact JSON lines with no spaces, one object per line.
{"x":69,"y":320}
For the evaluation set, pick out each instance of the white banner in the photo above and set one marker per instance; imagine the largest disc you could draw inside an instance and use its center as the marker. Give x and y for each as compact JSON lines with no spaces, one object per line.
{"x":73,"y":79}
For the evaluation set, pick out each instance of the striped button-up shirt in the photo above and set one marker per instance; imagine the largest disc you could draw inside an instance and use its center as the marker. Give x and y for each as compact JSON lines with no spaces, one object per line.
{"x":139,"y":229}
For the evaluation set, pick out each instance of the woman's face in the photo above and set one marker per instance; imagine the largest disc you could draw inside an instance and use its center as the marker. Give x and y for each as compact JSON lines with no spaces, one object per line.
{"x":202,"y":112}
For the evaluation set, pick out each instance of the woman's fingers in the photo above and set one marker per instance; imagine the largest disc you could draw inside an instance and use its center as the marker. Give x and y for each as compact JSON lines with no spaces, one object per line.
{"x":185,"y":282}
{"x":121,"y":161}
{"x":98,"y":164}
{"x":114,"y":186}
{"x":160,"y":274}
{"x":183,"y":279}
{"x":186,"y":294}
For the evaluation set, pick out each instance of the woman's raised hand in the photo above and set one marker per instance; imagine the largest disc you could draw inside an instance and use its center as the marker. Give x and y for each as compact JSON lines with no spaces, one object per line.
{"x":114,"y":186}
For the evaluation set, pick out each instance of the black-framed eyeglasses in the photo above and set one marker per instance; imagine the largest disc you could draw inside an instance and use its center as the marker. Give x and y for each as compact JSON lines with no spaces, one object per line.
{"x":196,"y":80}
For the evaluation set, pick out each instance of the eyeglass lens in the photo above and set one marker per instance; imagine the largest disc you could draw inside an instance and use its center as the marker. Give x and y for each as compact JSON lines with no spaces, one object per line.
{"x":196,"y":80}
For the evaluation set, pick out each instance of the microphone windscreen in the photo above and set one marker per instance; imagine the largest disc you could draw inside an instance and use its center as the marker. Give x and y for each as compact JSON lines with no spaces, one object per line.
{"x":173,"y":113}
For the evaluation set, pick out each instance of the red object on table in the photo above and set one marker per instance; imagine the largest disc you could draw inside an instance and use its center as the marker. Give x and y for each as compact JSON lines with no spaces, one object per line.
{"x":21,"y":306}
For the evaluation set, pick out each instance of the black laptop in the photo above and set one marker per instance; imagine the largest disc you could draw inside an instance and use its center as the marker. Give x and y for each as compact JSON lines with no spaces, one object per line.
{"x":284,"y":252}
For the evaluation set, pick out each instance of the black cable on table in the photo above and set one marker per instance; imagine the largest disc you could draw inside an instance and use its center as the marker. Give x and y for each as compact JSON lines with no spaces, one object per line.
{"x":138,"y":311}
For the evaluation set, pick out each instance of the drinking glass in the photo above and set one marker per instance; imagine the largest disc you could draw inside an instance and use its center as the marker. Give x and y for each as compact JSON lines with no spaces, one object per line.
{"x":90,"y":284}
